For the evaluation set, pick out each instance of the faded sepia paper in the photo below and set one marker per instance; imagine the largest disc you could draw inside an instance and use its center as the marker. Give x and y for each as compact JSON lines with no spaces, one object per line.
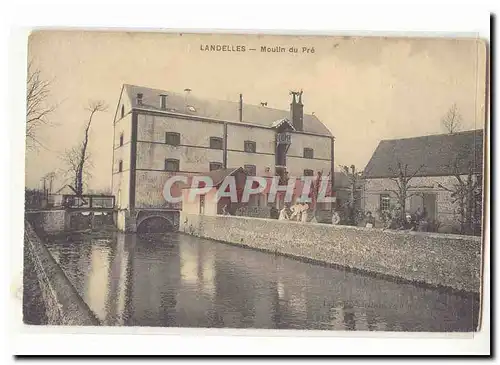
{"x":359,"y":95}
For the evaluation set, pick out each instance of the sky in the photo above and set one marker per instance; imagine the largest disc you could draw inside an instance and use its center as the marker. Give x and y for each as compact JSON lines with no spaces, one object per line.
{"x":364,"y":89}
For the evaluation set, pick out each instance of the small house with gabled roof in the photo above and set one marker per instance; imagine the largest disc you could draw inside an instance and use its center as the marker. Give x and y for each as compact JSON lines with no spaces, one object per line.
{"x":432,"y":163}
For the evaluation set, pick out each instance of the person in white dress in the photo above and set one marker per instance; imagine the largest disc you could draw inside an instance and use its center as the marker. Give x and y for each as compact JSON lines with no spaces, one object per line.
{"x":284,"y":214}
{"x":295,"y":212}
{"x":335,"y":218}
{"x":304,"y":209}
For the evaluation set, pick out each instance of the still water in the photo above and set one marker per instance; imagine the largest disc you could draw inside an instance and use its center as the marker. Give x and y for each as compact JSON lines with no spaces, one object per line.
{"x":183,"y":281}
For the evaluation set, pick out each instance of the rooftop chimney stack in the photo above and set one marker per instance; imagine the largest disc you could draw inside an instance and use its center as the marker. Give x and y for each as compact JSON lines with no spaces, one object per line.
{"x":297,"y":110}
{"x":139,"y":99}
{"x":241,"y":108}
{"x":187,"y":92}
{"x":163,"y":102}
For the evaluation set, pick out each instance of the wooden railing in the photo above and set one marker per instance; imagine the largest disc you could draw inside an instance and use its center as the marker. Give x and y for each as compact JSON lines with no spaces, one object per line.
{"x":88,"y":201}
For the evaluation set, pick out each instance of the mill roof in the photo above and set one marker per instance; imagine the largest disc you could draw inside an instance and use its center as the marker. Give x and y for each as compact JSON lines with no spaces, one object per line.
{"x":219,"y":109}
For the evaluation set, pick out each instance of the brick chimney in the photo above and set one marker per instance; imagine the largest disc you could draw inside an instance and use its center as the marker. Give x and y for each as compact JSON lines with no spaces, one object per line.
{"x":163,"y":101}
{"x":240,"y":108}
{"x":297,"y":110}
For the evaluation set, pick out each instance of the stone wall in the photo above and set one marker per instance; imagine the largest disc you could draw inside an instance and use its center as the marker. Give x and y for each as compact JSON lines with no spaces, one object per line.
{"x":192,"y":132}
{"x":124,"y":221}
{"x":121,"y":180}
{"x":63,"y":305}
{"x":53,"y":221}
{"x":149,"y":189}
{"x":34,"y":311}
{"x":259,"y":212}
{"x":435,"y":259}
{"x":49,"y":220}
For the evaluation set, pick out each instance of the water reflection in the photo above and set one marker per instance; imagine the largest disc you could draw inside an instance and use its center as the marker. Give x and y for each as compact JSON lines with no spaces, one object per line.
{"x":118,"y":283}
{"x":184,"y":281}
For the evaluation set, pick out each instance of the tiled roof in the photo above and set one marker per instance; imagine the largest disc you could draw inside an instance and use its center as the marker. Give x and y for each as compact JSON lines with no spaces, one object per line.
{"x":219,"y":109}
{"x":217,"y":176}
{"x":341,"y":181}
{"x":439,"y":155}
{"x":66,"y":189}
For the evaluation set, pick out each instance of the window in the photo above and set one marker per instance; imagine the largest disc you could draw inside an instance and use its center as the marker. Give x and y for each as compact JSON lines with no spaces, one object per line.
{"x":308,"y":172}
{"x":202,"y":204}
{"x":215,"y":166}
{"x":308,"y":153}
{"x":216,"y":143}
{"x":250,"y":146}
{"x":283,"y":175}
{"x":123,"y":111}
{"x":250,"y":170}
{"x":385,"y":202}
{"x":120,"y":166}
{"x":121,"y":139}
{"x":172,"y":138}
{"x":171,"y":165}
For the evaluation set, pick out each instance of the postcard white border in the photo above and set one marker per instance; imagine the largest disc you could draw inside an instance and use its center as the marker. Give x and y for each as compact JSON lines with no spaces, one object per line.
{"x":427,"y":18}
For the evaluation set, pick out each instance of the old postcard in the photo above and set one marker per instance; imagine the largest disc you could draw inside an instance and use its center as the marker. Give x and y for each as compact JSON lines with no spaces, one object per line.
{"x":255,"y":181}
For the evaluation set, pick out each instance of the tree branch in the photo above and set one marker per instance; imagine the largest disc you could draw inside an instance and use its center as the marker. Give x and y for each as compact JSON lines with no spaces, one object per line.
{"x":37,"y":112}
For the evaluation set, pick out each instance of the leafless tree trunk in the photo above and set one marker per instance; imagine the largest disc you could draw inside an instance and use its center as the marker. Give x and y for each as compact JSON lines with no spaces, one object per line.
{"x":452,"y":120}
{"x":465,"y":194}
{"x":37,"y":110}
{"x":48,"y":180}
{"x":402,"y":180}
{"x":78,"y":158}
{"x":354,"y":178}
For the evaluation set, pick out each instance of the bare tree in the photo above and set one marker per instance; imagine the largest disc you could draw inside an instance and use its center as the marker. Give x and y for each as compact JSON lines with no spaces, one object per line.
{"x":402,"y":181}
{"x":452,"y":120}
{"x":467,"y":195}
{"x":78,"y":157}
{"x":354,"y":177}
{"x":48,"y":180}
{"x":37,"y":109}
{"x":72,"y":159}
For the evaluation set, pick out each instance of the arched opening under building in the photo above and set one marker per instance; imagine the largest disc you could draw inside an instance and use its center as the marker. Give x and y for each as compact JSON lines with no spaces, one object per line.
{"x":155,"y":224}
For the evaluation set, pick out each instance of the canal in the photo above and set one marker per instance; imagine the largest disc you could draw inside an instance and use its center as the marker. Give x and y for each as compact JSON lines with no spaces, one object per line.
{"x":176,"y":280}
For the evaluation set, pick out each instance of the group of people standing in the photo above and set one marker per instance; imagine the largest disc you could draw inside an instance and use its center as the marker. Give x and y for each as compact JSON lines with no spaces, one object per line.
{"x":297,"y":212}
{"x":368,"y":220}
{"x":413,"y":222}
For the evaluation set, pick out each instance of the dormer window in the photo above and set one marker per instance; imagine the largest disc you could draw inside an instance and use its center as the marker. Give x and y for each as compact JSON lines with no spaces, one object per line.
{"x":139,"y":99}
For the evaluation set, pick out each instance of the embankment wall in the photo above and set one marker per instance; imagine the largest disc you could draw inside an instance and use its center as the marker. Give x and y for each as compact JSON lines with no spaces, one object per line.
{"x":62,"y":304}
{"x":435,"y":259}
